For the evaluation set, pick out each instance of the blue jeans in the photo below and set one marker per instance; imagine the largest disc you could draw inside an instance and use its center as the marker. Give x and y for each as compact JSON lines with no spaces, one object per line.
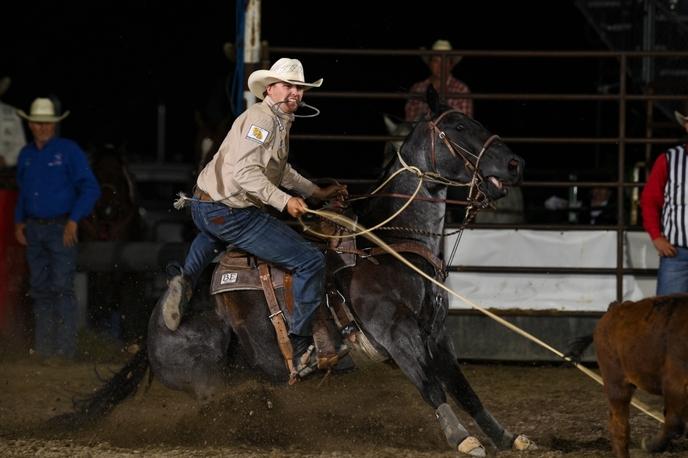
{"x":672,"y":276}
{"x":52,"y":267}
{"x":268,"y":238}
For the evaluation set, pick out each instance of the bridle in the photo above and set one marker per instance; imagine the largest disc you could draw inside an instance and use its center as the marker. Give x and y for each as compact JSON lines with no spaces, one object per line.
{"x":474,"y":195}
{"x":476,"y":198}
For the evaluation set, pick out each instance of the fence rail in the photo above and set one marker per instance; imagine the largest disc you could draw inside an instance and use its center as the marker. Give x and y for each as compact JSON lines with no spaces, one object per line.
{"x":624,"y":95}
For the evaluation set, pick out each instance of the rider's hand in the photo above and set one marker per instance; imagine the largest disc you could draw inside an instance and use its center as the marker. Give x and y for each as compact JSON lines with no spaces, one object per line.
{"x":69,"y":236}
{"x":338,"y":191}
{"x":664,"y":248}
{"x":296,"y":206}
{"x":19,"y":233}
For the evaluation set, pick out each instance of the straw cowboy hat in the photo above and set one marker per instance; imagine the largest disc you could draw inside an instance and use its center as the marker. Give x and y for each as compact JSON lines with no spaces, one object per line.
{"x":285,"y":70}
{"x":442,"y":45}
{"x":680,"y":118}
{"x":42,"y":110}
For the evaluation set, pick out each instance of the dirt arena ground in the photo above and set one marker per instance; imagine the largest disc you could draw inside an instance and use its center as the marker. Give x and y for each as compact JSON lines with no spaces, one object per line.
{"x":373,"y":412}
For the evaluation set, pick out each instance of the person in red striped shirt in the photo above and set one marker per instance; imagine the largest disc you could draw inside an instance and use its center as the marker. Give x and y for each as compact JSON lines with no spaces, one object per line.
{"x":664,"y":202}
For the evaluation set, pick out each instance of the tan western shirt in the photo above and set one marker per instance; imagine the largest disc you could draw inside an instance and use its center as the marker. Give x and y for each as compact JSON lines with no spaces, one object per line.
{"x":251,"y":162}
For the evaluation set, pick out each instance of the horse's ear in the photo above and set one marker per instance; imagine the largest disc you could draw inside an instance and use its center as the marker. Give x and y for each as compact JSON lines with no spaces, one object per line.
{"x":433,"y":99}
{"x":389,"y":123}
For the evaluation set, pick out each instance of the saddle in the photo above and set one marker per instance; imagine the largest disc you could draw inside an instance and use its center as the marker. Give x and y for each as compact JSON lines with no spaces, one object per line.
{"x":238,"y":270}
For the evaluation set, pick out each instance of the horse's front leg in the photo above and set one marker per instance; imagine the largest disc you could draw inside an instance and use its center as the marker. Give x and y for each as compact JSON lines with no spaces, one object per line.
{"x":449,"y":371}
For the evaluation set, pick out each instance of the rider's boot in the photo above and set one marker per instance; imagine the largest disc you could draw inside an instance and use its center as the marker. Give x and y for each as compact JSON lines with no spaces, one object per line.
{"x":303,"y":354}
{"x":175,"y":300}
{"x":327,"y":352}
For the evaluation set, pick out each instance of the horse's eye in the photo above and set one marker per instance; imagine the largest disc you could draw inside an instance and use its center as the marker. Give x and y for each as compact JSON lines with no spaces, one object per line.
{"x":459,"y":127}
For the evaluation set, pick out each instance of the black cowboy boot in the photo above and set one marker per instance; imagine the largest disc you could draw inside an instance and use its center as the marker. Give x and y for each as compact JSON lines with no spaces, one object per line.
{"x":176,"y":298}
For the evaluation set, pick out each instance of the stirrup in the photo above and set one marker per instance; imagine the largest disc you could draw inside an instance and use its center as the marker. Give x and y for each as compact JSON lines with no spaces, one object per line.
{"x":307,"y":363}
{"x":327,"y":362}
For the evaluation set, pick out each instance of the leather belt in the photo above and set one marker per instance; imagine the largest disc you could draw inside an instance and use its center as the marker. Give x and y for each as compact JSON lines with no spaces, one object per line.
{"x":203,"y":196}
{"x":62,"y":219}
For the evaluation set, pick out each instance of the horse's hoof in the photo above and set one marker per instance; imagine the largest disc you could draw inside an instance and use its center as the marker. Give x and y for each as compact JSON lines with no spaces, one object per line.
{"x":132,"y":349}
{"x":471,"y":446}
{"x":522,"y":443}
{"x":651,"y":445}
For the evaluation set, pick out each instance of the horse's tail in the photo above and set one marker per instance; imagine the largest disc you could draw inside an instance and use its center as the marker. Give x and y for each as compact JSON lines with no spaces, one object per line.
{"x":119,"y":387}
{"x":578,"y":346}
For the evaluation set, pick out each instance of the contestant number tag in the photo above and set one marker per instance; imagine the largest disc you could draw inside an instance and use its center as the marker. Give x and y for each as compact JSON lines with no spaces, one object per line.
{"x":229,"y":277}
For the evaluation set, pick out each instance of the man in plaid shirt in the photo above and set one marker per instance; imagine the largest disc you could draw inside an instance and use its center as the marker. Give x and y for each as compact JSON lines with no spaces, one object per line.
{"x":416,"y":106}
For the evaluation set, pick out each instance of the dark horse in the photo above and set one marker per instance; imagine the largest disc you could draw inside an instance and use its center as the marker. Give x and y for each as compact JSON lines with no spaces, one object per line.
{"x":643,"y":345}
{"x":116,"y":214}
{"x":401,"y":314}
{"x":115,"y":218}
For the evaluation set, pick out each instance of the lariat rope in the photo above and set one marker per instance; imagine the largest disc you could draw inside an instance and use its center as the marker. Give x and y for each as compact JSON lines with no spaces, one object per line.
{"x":357,"y":229}
{"x":360,"y":230}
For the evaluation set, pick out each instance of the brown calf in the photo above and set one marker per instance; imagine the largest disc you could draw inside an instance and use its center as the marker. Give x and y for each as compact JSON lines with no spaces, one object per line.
{"x":644,"y":345}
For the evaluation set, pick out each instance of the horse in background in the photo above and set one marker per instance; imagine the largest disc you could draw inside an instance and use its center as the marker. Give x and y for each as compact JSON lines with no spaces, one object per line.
{"x":215,"y":113}
{"x":116,"y":214}
{"x":642,"y":344}
{"x":115,"y":217}
{"x":397,"y":129}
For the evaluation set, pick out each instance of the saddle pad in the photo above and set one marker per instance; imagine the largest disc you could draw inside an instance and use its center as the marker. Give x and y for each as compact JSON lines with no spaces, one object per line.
{"x":241,"y":273}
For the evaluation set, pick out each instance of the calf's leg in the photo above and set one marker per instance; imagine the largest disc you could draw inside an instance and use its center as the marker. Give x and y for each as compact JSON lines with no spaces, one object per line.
{"x":674,"y":411}
{"x":619,"y":394}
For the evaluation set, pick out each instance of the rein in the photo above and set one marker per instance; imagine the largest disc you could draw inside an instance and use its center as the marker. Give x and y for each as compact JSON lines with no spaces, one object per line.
{"x":398,"y":195}
{"x":476,"y":199}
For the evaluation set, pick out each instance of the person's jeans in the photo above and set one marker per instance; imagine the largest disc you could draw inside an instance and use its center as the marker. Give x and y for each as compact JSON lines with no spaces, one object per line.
{"x":672,"y":276}
{"x":203,"y":250}
{"x":52,"y":267}
{"x":256,"y":232}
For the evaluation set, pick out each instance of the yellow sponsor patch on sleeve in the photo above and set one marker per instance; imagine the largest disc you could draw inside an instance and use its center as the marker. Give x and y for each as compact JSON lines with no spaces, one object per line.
{"x":257,"y":134}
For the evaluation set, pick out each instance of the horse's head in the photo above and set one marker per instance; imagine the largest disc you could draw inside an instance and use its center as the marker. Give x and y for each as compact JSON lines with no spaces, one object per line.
{"x":113,"y":204}
{"x":455,"y":145}
{"x":114,"y":216}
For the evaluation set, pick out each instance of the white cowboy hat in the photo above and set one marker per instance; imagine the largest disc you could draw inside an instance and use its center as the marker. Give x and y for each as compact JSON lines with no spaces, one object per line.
{"x":42,"y":110}
{"x":680,"y":118}
{"x":443,"y":45}
{"x":286,"y":70}
{"x":5,"y":84}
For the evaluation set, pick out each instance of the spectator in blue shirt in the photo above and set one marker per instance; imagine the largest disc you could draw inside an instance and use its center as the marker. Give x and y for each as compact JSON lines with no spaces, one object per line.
{"x":56,"y":189}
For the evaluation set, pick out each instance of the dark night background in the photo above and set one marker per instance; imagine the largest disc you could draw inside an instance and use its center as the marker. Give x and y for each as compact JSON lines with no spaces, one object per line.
{"x":112,"y":62}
